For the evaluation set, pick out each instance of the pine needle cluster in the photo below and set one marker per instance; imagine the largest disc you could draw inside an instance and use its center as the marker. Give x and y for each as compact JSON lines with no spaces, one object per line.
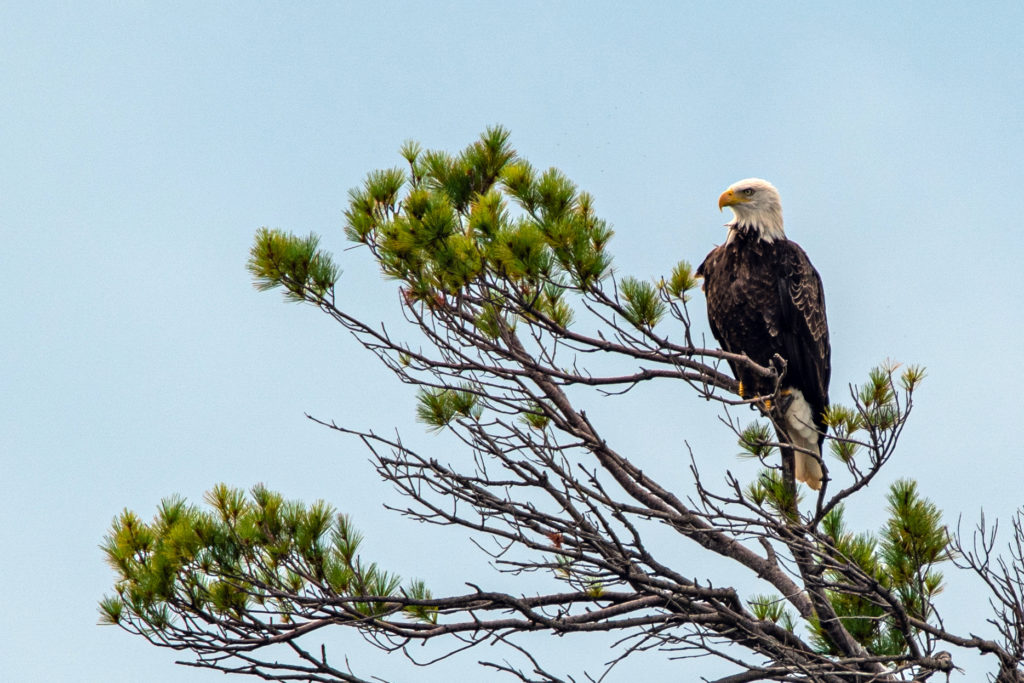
{"x":458,"y":225}
{"x":878,"y":404}
{"x":681,"y":281}
{"x":436,"y":408}
{"x":249,"y":557}
{"x":643,"y":309}
{"x":901,"y":557}
{"x":296,"y":264}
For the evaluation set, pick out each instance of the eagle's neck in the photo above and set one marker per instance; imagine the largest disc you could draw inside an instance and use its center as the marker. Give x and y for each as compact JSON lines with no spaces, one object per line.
{"x":764,"y":224}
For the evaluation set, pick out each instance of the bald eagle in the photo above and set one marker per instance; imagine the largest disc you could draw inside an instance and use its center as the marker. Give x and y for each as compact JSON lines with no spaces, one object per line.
{"x":765,"y":298}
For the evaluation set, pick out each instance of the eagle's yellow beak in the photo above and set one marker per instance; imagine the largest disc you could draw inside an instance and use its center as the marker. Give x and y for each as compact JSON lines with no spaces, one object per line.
{"x":730,"y":198}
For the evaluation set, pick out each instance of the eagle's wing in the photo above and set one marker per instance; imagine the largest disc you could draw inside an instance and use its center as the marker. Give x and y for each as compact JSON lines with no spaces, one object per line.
{"x":707,"y":270}
{"x":804,"y":328}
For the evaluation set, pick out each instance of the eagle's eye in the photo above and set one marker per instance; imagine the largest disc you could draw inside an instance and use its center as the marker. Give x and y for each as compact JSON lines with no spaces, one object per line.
{"x":748,"y":192}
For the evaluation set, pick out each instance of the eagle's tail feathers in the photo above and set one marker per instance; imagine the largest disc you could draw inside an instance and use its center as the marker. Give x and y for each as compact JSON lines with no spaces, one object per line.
{"x":807,"y":469}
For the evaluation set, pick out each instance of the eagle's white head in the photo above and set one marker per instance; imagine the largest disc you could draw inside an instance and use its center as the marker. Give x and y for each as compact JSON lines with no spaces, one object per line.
{"x":756,"y":206}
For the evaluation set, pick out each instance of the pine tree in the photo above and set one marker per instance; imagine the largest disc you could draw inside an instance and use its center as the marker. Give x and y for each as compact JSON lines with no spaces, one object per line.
{"x":506,"y":280}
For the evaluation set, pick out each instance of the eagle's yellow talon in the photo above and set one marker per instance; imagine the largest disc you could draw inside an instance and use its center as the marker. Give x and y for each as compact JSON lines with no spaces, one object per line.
{"x":741,"y":391}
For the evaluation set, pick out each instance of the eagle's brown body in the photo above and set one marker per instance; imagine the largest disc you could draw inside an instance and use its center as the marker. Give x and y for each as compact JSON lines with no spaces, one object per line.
{"x":765,"y":298}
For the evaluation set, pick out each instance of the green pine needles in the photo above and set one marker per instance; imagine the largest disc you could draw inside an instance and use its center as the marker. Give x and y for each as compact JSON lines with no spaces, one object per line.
{"x":256,"y":558}
{"x":296,"y":264}
{"x":643,"y":308}
{"x":436,"y":408}
{"x":681,"y":281}
{"x":453,"y":225}
{"x":901,"y":557}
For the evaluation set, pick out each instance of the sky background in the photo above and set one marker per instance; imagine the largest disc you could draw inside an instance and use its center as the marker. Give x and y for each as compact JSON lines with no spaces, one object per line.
{"x":144,"y":143}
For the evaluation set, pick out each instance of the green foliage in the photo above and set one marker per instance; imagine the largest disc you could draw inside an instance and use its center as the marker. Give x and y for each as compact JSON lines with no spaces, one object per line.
{"x":878,"y":396}
{"x":773,"y":610}
{"x":438,"y":407}
{"x":756,"y":440}
{"x":519,"y":252}
{"x":681,"y":281}
{"x":417,"y":590}
{"x":912,"y":541}
{"x":643,"y":308}
{"x":410,"y":151}
{"x":900,"y":558}
{"x":911,"y":377}
{"x":242,"y":554}
{"x":878,"y":390}
{"x":844,"y":422}
{"x":772,"y":490}
{"x":861,"y":617}
{"x":576,"y":236}
{"x":551,"y":303}
{"x":296,"y":264}
{"x":111,"y":611}
{"x":536,"y":417}
{"x":878,"y":408}
{"x":447,"y":225}
{"x":490,"y":320}
{"x":520,"y":181}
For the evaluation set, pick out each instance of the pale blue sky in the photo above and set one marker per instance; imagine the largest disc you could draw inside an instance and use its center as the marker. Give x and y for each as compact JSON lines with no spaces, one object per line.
{"x":143,"y":144}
